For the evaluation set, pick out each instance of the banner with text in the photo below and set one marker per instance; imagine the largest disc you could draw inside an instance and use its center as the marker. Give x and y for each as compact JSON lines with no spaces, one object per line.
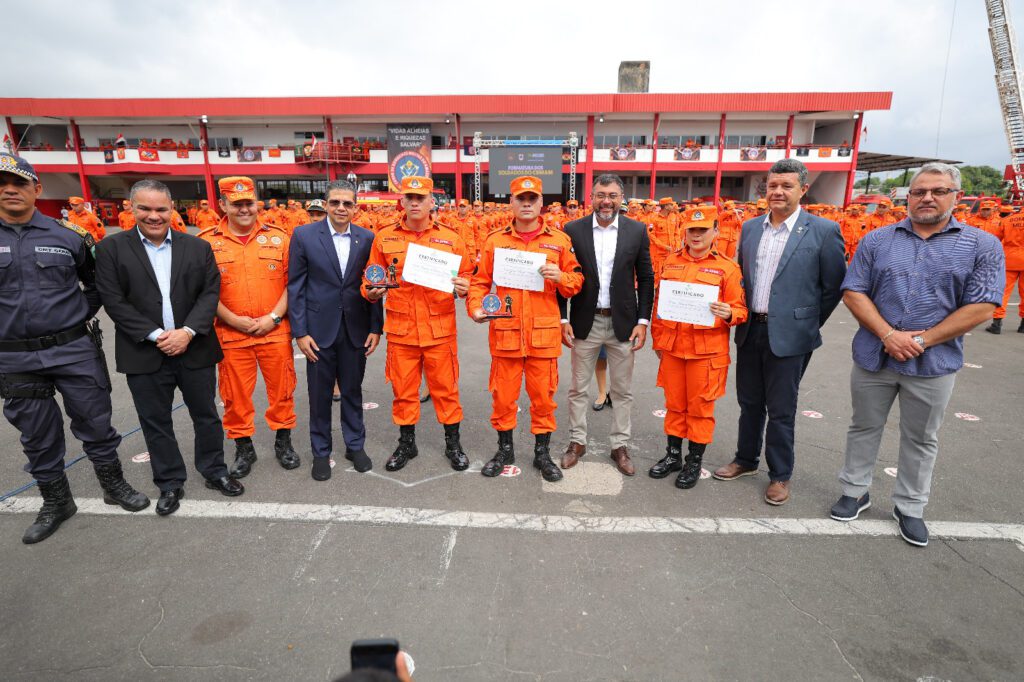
{"x":507,"y":163}
{"x":408,"y":152}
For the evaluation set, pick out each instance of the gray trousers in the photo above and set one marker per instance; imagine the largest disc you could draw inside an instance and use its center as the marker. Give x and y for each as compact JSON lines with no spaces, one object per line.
{"x":621,"y":359}
{"x":922,"y":403}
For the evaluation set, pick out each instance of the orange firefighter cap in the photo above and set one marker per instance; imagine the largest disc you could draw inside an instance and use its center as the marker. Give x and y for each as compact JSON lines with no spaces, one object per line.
{"x":463,"y":202}
{"x":74,"y":201}
{"x":988,"y":204}
{"x":572,"y":203}
{"x":416,"y":184}
{"x":237,"y":188}
{"x":524,"y":184}
{"x":478,"y":203}
{"x":700,"y":216}
{"x":665,"y":201}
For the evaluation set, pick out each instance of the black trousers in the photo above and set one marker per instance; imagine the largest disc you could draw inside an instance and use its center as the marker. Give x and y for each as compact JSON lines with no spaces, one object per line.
{"x":153,"y":395}
{"x":84,"y":388}
{"x":346,"y":364}
{"x":767,"y":385}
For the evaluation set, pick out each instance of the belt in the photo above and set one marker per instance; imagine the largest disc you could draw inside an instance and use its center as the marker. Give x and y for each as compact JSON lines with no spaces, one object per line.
{"x":759,"y":317}
{"x":43,"y":342}
{"x":604,"y":312}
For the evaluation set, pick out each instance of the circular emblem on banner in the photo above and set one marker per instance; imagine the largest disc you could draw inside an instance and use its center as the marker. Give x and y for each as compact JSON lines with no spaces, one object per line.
{"x":686,"y":154}
{"x":491,"y":304}
{"x":248,"y":155}
{"x":275,"y":240}
{"x":375,"y":274}
{"x":262,"y":239}
{"x":408,"y":164}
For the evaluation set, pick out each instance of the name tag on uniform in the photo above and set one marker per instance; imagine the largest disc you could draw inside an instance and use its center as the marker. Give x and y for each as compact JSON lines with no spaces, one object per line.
{"x":52,"y":249}
{"x":5,"y":249}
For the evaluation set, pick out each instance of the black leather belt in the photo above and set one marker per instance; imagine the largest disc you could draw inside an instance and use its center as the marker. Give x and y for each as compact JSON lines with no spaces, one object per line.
{"x":759,"y":317}
{"x":604,"y":312}
{"x":43,"y":342}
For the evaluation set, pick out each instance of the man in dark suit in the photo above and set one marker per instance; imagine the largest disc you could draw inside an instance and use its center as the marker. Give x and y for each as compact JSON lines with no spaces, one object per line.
{"x":793,"y":266}
{"x":161,"y":291}
{"x":334,"y":326}
{"x":610,"y":311}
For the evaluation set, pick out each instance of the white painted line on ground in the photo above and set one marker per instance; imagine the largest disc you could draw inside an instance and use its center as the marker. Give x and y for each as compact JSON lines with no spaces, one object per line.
{"x":443,"y":518}
{"x":446,"y":554}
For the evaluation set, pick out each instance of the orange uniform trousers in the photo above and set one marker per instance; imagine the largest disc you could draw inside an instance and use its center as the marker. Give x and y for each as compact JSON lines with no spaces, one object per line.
{"x":691,"y":389}
{"x":237,"y":374}
{"x":1013,"y":277}
{"x":505,"y":384}
{"x":404,"y":367}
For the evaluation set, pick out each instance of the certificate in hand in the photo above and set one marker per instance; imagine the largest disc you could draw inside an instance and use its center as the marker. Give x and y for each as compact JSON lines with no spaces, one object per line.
{"x":431,"y":268}
{"x":518,"y":269}
{"x":686,"y":302}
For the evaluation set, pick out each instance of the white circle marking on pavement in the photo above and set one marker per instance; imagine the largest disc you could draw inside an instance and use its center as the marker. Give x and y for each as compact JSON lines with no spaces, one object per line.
{"x":812,"y":414}
{"x":370,"y":406}
{"x":660,"y":414}
{"x":510,"y":471}
{"x":890,"y":471}
{"x":141,"y":457}
{"x":972,"y":365}
{"x":332,"y":462}
{"x":704,"y":473}
{"x":968,"y":417}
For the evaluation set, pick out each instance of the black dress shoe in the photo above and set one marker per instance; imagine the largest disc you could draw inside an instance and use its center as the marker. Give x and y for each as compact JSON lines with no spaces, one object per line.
{"x":361,"y":461}
{"x":168,"y":502}
{"x":321,"y":468}
{"x":227,"y":486}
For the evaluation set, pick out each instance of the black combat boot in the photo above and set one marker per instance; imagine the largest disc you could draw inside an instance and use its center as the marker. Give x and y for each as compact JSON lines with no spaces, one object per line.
{"x":542,"y":458}
{"x":672,"y":461}
{"x":116,"y":490}
{"x":996,"y":327}
{"x":453,"y":448}
{"x":245,"y":457}
{"x":406,"y":449}
{"x":284,"y":451}
{"x":690,"y":474}
{"x":1020,"y":327}
{"x":503,"y":457}
{"x":58,"y":507}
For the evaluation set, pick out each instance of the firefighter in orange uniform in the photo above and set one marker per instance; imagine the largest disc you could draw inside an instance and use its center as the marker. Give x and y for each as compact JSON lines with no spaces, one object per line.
{"x":273,"y":214}
{"x":662,"y":231}
{"x":251,"y":324}
{"x":881,"y":217}
{"x":1012,"y":235}
{"x":300,"y":216}
{"x":572,"y":210}
{"x":694,"y":359}
{"x":85,"y":219}
{"x":729,"y":223}
{"x":190,"y":213}
{"x":177,"y":224}
{"x":420,"y":325}
{"x":987,"y":219}
{"x":555,"y":218}
{"x":854,"y":226}
{"x":126,"y":219}
{"x":529,"y":342}
{"x":463,"y":223}
{"x":206,"y":217}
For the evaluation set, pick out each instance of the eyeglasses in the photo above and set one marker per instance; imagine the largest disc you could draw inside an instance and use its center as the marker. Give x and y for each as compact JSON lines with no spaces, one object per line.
{"x":601,"y":196}
{"x":334,"y":203}
{"x":938,"y":192}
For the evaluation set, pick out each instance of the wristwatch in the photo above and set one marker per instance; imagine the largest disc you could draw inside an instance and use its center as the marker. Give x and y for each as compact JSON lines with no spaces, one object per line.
{"x":919,"y":340}
{"x":277,"y":320}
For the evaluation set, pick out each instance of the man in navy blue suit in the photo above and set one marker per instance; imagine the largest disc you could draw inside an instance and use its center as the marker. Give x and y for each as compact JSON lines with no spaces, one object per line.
{"x":334,"y":326}
{"x":793,"y":266}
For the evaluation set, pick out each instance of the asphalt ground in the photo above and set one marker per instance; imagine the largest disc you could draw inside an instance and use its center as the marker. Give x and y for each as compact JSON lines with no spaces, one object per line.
{"x":598,"y":577}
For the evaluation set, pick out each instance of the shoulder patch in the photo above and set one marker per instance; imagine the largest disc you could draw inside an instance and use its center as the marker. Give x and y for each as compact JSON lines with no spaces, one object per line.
{"x":80,"y":231}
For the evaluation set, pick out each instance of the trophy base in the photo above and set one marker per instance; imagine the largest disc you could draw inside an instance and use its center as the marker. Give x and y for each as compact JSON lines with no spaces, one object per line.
{"x":498,"y":316}
{"x":383,"y":285}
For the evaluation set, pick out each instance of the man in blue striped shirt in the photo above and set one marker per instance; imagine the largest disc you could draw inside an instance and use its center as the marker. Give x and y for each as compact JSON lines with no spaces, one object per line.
{"x":915,"y":287}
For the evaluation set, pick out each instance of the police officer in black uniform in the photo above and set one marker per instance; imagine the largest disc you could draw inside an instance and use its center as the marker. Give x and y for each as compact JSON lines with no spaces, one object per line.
{"x":47,"y":297}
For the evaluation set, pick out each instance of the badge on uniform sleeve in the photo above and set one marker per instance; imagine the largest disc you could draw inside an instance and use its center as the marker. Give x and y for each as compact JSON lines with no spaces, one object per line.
{"x":275,"y":241}
{"x":262,"y":239}
{"x":271,"y":266}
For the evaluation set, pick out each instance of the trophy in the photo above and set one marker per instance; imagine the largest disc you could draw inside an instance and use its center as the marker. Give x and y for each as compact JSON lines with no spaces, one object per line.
{"x":492,"y":307}
{"x":380,"y":278}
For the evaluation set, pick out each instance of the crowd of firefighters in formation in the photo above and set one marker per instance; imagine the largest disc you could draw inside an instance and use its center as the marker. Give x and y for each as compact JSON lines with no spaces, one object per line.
{"x":473,"y":221}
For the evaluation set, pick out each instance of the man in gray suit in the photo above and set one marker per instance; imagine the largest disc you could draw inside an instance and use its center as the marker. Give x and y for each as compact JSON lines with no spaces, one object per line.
{"x":793,"y":266}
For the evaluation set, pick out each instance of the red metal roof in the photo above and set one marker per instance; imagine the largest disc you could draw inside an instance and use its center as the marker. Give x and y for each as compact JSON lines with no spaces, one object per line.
{"x":446,"y":104}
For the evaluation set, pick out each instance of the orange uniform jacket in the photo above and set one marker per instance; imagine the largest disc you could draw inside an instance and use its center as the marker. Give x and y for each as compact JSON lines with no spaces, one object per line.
{"x":206,"y":218}
{"x":875,"y":221}
{"x":992,"y":224}
{"x":89,"y":222}
{"x":729,"y":224}
{"x":415,"y":315}
{"x":126,"y":219}
{"x":177,"y":224}
{"x":1013,"y":241}
{"x":690,"y":341}
{"x":253,"y":276}
{"x":535,"y":329}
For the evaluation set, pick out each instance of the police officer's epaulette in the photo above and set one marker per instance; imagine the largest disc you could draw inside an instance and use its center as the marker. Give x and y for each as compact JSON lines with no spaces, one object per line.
{"x":80,"y":231}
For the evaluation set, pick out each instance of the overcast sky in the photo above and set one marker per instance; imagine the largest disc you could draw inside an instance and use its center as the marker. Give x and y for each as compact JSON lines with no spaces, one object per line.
{"x":114,"y":48}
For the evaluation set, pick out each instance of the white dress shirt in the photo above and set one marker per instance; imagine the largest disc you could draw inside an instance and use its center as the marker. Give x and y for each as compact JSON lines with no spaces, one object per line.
{"x":342,"y":244}
{"x":160,"y":259}
{"x":769,"y":252}
{"x":605,"y":240}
